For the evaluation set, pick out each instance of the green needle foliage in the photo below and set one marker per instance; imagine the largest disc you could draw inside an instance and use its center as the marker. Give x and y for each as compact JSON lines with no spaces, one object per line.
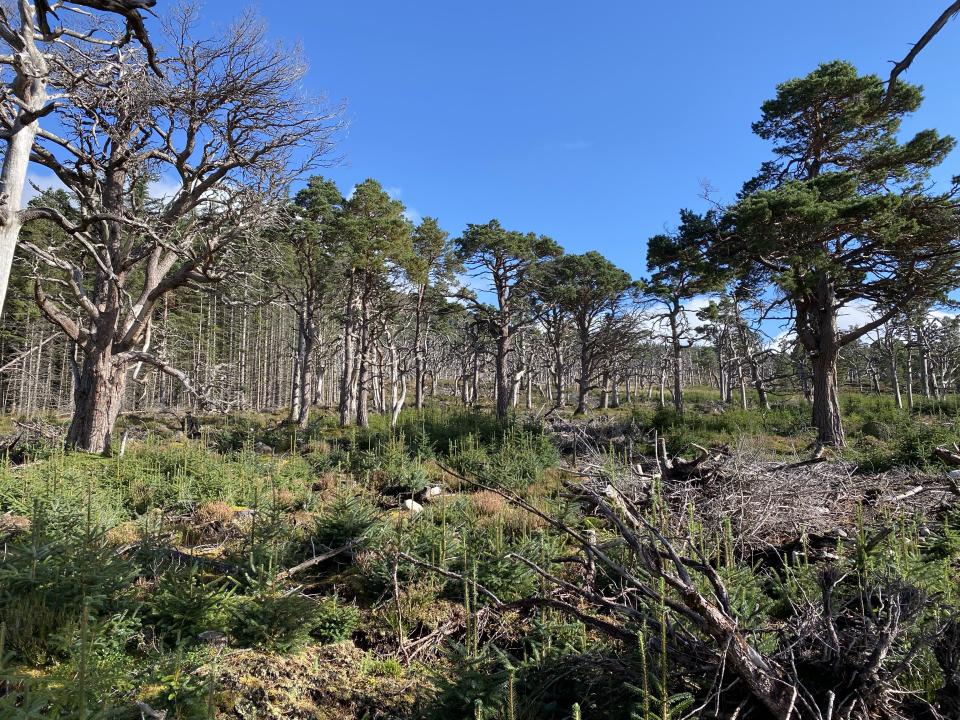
{"x":843,"y":214}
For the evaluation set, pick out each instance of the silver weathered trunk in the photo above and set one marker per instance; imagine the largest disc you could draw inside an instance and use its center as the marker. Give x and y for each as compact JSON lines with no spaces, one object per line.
{"x":29,"y":88}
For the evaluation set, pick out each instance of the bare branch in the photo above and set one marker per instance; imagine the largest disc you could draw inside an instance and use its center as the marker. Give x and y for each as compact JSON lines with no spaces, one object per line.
{"x":902,"y":65}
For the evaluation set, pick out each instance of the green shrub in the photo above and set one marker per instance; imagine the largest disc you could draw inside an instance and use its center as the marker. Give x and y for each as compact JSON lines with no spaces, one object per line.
{"x":59,"y":570}
{"x":98,"y":672}
{"x":481,"y":678}
{"x":178,"y":686}
{"x":272,"y":619}
{"x":334,"y":621}
{"x":182,"y":605}
{"x":518,"y":458}
{"x":269,"y":541}
{"x":237,"y":434}
{"x":349,"y":517}
{"x":397,"y":469}
{"x":383,"y":667}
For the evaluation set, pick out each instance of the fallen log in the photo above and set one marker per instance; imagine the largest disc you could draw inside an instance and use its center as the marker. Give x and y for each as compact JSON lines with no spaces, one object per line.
{"x":953,"y":458}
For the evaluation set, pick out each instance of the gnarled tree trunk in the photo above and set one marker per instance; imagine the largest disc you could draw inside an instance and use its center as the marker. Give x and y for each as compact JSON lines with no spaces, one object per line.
{"x":676,"y":348}
{"x":826,"y":403}
{"x":98,"y":396}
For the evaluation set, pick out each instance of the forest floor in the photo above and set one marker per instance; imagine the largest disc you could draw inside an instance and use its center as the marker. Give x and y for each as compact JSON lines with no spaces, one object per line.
{"x":441,"y":570}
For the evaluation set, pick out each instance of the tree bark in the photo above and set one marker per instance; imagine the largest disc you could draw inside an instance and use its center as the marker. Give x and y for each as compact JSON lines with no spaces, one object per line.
{"x":722,"y":378}
{"x":895,"y":379}
{"x":303,"y":366}
{"x":826,"y":405}
{"x":475,"y":379}
{"x":757,"y":376}
{"x":818,"y":333}
{"x":676,"y":347}
{"x":363,"y":371}
{"x":559,"y":401}
{"x":743,"y":386}
{"x":347,"y":375}
{"x":909,"y":375}
{"x":503,"y":380}
{"x":418,"y":366}
{"x":97,"y":400}
{"x":296,"y":381}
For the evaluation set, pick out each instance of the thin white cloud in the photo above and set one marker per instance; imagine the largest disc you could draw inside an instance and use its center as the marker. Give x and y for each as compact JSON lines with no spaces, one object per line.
{"x":694,"y":305}
{"x":653,"y":319}
{"x":855,"y":314}
{"x":164,"y":188}
{"x":39,"y":182}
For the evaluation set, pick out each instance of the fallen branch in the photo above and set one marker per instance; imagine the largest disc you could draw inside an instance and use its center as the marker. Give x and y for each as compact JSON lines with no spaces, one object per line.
{"x":608,"y":628}
{"x":316,"y":560}
{"x":180,"y":557}
{"x":947,"y":456}
{"x":910,"y":493}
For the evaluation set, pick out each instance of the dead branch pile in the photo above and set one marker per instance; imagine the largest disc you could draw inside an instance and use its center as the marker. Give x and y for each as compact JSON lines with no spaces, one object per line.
{"x":841,"y":655}
{"x":577,"y":436}
{"x":767,"y":503}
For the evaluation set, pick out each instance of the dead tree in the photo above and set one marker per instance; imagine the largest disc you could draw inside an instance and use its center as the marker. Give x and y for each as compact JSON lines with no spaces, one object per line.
{"x":223,"y":122}
{"x":33,"y":92}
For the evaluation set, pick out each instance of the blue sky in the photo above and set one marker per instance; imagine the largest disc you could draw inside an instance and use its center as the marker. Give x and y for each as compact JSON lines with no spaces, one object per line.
{"x":591,"y":124}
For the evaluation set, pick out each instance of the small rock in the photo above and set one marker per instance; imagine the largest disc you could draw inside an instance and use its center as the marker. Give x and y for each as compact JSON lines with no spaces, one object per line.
{"x":413,"y":506}
{"x":432,"y":492}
